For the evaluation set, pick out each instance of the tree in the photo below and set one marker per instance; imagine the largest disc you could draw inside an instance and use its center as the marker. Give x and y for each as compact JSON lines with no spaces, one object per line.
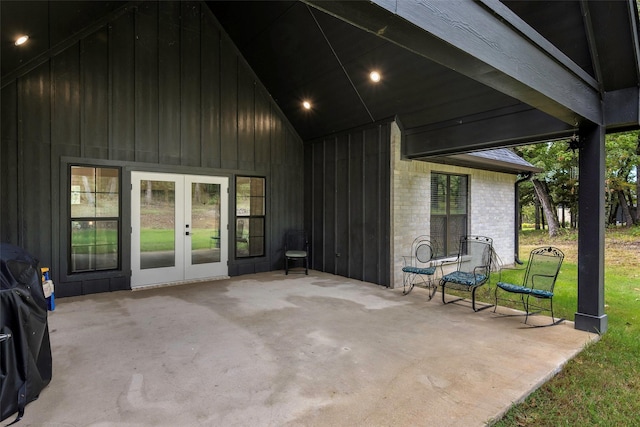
{"x":621,"y":162}
{"x":558,"y":183}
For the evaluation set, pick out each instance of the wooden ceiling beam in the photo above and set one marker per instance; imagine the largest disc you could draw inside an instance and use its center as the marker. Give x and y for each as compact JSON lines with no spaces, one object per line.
{"x":484,"y":41}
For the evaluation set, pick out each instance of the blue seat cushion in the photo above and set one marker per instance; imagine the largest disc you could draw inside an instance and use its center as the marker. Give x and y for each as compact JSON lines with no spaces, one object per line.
{"x":518,"y":289}
{"x":417,"y":270}
{"x":540,"y":293}
{"x":464,"y":278}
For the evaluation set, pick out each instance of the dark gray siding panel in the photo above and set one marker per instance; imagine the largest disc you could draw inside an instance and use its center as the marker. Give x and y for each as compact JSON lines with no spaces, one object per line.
{"x":95,"y":101}
{"x":146,"y":83}
{"x":210,"y":80}
{"x":348,"y":200}
{"x":121,"y":64}
{"x":356,"y":205}
{"x":169,"y":83}
{"x":9,"y":217}
{"x":65,"y":115}
{"x":154,"y":89}
{"x":34,"y":171}
{"x":229,"y":103}
{"x":329,"y":203}
{"x":190,"y":77}
{"x":342,"y":216}
{"x":317,"y":210}
{"x":262,"y":128}
{"x":246,"y":120}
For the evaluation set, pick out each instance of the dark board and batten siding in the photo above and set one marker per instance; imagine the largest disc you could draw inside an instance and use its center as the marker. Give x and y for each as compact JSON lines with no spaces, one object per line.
{"x":347,"y":208}
{"x":159,"y":87}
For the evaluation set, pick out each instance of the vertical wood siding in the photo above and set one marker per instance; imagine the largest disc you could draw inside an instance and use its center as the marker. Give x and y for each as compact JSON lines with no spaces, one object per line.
{"x":159,"y":87}
{"x":347,"y":204}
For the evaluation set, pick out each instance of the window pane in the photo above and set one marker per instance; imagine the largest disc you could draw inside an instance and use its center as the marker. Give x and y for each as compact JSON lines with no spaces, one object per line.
{"x":257,"y":205}
{"x":107,"y":180}
{"x":205,"y":223}
{"x":438,"y":194}
{"x":94,"y":194}
{"x":106,"y":205}
{"x":449,"y":203}
{"x":243,"y":193}
{"x":458,"y":195}
{"x":242,"y":237}
{"x":250,"y":211}
{"x":157,"y":228}
{"x":83,"y":243}
{"x":106,"y":252}
{"x":438,"y":233}
{"x":457,"y":227}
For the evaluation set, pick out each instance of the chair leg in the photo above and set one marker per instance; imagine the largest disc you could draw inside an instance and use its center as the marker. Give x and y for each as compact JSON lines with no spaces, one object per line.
{"x":306,"y":266}
{"x":286,"y":266}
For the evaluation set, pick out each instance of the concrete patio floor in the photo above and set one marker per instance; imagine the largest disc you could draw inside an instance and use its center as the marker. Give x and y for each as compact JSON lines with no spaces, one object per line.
{"x":276,"y":350}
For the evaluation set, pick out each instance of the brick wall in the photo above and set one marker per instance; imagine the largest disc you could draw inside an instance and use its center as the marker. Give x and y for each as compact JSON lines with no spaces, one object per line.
{"x":491,"y":205}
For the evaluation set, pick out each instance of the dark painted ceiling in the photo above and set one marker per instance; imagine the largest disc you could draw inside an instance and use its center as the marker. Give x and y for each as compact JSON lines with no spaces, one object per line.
{"x":301,"y":53}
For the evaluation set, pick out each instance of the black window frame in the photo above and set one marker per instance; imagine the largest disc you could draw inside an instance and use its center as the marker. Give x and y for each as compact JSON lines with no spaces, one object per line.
{"x":251,"y":239}
{"x":71,"y":219}
{"x":448,"y":240}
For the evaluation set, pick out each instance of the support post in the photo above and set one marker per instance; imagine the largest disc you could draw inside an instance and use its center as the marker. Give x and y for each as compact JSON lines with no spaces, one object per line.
{"x":590,"y":315}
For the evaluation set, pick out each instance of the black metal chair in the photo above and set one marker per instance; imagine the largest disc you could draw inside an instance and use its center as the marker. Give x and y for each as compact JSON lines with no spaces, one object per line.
{"x":473,"y":268}
{"x":538,"y":282}
{"x":296,"y":248}
{"x":420,"y":265}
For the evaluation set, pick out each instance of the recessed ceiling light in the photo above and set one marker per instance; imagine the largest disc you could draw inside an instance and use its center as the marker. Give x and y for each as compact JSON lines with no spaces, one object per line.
{"x":21,"y":40}
{"x":306,"y":105}
{"x":375,"y":76}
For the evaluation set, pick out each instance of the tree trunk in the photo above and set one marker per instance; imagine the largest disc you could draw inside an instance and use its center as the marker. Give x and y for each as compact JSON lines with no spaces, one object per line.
{"x":547,"y":207}
{"x":624,"y":207}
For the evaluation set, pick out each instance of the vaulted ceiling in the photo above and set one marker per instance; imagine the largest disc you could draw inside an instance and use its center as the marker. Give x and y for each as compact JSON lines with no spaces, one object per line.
{"x":449,"y":71}
{"x":324,"y":51}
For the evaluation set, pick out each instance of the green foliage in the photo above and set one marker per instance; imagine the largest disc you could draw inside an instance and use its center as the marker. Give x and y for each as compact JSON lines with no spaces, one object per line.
{"x":560,"y":171}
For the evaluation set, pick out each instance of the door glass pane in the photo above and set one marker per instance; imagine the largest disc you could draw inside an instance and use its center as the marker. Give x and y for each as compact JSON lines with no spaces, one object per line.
{"x":157,"y":224}
{"x":205,"y":223}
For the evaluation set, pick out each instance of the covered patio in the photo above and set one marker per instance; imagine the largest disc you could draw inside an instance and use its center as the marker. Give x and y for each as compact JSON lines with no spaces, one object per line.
{"x":269,"y":349}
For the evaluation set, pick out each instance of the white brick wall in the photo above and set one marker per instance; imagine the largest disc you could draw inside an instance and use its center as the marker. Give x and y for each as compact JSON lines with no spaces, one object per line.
{"x":491,"y":205}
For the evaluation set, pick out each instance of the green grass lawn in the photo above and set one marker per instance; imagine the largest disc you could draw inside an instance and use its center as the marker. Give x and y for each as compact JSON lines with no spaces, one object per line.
{"x":601,"y":386}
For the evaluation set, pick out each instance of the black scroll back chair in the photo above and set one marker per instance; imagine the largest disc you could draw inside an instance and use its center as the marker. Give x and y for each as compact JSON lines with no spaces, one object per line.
{"x":538,"y":282}
{"x":473,"y":268}
{"x":296,"y":248}
{"x":420,"y":266}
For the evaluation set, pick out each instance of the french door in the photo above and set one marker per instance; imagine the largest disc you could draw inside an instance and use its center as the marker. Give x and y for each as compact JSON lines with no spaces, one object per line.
{"x":179,"y":228}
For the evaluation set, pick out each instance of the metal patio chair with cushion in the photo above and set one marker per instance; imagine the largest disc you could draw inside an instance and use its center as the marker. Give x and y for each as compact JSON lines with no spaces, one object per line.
{"x":420,"y":266}
{"x":473,"y":268}
{"x":538,"y":282}
{"x":296,"y":248}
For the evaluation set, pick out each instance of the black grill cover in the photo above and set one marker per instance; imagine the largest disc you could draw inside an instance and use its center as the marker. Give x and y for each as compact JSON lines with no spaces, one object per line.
{"x":25,"y":350}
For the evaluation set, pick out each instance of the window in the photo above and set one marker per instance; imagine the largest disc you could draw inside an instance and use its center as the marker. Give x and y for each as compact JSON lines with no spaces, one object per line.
{"x":250,"y":211}
{"x":449,"y":195}
{"x":95,"y":218}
